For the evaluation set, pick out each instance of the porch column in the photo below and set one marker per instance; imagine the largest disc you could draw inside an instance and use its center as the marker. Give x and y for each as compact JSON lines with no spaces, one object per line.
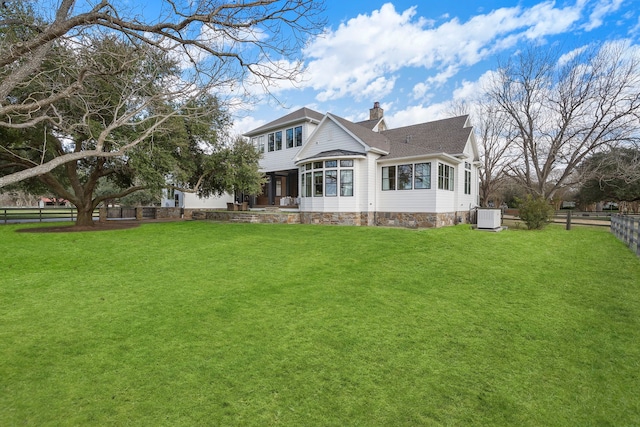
{"x":292,"y":184}
{"x":271,"y":193}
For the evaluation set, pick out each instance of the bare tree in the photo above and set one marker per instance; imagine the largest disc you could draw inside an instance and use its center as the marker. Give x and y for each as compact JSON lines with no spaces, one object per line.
{"x":564,"y":109}
{"x":221,"y":47}
{"x":494,"y":136}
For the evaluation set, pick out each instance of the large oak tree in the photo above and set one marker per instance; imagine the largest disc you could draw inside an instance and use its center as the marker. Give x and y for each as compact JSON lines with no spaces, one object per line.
{"x":222,"y":48}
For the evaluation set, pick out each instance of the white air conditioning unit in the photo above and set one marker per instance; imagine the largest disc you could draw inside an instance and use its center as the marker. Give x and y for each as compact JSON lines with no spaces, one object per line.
{"x":489,"y":218}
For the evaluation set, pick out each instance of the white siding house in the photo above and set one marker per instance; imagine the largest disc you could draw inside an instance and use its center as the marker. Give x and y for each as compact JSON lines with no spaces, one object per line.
{"x":337,"y":171}
{"x":181,"y":199}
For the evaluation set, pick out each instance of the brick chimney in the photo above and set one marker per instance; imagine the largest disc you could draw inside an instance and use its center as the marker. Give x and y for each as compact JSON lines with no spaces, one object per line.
{"x":376,"y":112}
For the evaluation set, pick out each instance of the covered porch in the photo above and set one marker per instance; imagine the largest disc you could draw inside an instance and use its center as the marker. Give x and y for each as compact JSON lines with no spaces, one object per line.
{"x":281,"y":189}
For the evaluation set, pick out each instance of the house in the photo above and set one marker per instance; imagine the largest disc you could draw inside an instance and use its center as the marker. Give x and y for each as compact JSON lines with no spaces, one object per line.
{"x":340,"y":172}
{"x":179,"y":199}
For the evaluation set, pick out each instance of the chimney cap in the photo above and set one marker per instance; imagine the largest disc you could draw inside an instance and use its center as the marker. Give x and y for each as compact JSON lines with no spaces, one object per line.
{"x":376,"y":104}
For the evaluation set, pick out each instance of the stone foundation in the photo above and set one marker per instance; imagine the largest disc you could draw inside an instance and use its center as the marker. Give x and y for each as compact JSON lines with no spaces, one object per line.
{"x":334,"y":218}
{"x":384,"y":219}
{"x":265,"y":218}
{"x":421,"y":219}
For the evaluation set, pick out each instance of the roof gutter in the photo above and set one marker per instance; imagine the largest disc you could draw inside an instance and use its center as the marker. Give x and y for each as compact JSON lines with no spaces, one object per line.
{"x":260,"y":131}
{"x":444,"y":156}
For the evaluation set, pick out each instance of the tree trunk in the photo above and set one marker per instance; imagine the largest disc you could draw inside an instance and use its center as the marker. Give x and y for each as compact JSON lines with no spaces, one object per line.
{"x":85,"y":217}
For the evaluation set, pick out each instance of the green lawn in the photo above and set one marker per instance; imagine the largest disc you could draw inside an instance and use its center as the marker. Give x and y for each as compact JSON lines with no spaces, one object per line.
{"x":198,"y":323}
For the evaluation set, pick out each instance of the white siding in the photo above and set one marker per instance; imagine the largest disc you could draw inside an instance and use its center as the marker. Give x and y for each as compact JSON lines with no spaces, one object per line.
{"x":368,"y":185}
{"x":193,"y":201}
{"x":329,"y":136}
{"x":283,"y":159}
{"x":465,"y":202}
{"x":415,"y":200}
{"x":339,"y":203}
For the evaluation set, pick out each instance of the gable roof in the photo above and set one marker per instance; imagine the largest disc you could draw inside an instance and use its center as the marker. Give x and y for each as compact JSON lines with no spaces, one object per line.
{"x":369,"y":137}
{"x":303,"y":114}
{"x":441,"y":136}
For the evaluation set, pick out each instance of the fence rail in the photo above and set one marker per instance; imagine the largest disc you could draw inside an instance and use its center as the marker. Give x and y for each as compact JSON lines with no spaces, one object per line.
{"x":10,"y":215}
{"x":17,"y":215}
{"x":627,"y":229}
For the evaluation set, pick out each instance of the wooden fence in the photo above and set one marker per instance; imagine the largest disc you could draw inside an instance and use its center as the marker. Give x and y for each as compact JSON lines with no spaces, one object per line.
{"x":627,"y":229}
{"x":18,"y":215}
{"x":50,"y":214}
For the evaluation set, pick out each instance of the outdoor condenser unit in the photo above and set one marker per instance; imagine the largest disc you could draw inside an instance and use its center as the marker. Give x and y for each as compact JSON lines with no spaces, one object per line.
{"x":489,"y":218}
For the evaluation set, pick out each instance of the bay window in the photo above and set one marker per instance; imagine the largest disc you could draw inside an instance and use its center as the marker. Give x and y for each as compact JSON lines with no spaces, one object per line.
{"x":346,"y":182}
{"x":331,"y":183}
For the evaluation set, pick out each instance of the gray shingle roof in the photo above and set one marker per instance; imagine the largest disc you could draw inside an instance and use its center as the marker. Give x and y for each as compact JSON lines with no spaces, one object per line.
{"x":369,"y":137}
{"x":441,"y":136}
{"x":296,"y":116}
{"x":369,"y":124}
{"x":334,"y":153}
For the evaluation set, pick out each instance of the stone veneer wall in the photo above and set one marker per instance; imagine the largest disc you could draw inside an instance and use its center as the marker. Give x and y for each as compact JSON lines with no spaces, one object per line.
{"x":334,"y":218}
{"x":421,"y":219}
{"x":266,"y":218}
{"x":386,"y":219}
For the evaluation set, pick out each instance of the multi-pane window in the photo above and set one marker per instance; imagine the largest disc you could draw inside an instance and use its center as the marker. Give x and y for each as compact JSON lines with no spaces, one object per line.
{"x":331,"y":183}
{"x":346,"y":182}
{"x":279,"y":140}
{"x":389,"y":178}
{"x":467,"y":178}
{"x":317,"y":182}
{"x":258,"y":142}
{"x":324,"y":178}
{"x":445,"y":177}
{"x":270,"y":142}
{"x":405,"y":177}
{"x":297,"y":135}
{"x":309,"y":185}
{"x":289,"y":137}
{"x":422,"y":176}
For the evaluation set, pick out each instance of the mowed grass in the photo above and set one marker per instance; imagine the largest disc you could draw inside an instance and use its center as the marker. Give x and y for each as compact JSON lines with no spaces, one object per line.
{"x":199,"y":323}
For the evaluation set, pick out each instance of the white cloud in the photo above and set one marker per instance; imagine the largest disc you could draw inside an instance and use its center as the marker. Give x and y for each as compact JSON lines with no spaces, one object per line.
{"x":417,"y":114}
{"x":245,"y":124}
{"x":362,"y":57}
{"x":601,"y":9}
{"x":567,"y":57}
{"x":635,"y":29}
{"x":470,"y":90}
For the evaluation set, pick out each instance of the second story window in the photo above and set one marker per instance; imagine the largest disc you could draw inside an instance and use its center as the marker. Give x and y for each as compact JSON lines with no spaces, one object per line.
{"x":289,"y":136}
{"x":271,"y":142}
{"x":297,"y":133}
{"x":279,"y":140}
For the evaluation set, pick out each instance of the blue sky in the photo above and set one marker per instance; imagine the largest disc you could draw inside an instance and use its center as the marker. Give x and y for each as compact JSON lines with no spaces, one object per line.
{"x":414,"y":57}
